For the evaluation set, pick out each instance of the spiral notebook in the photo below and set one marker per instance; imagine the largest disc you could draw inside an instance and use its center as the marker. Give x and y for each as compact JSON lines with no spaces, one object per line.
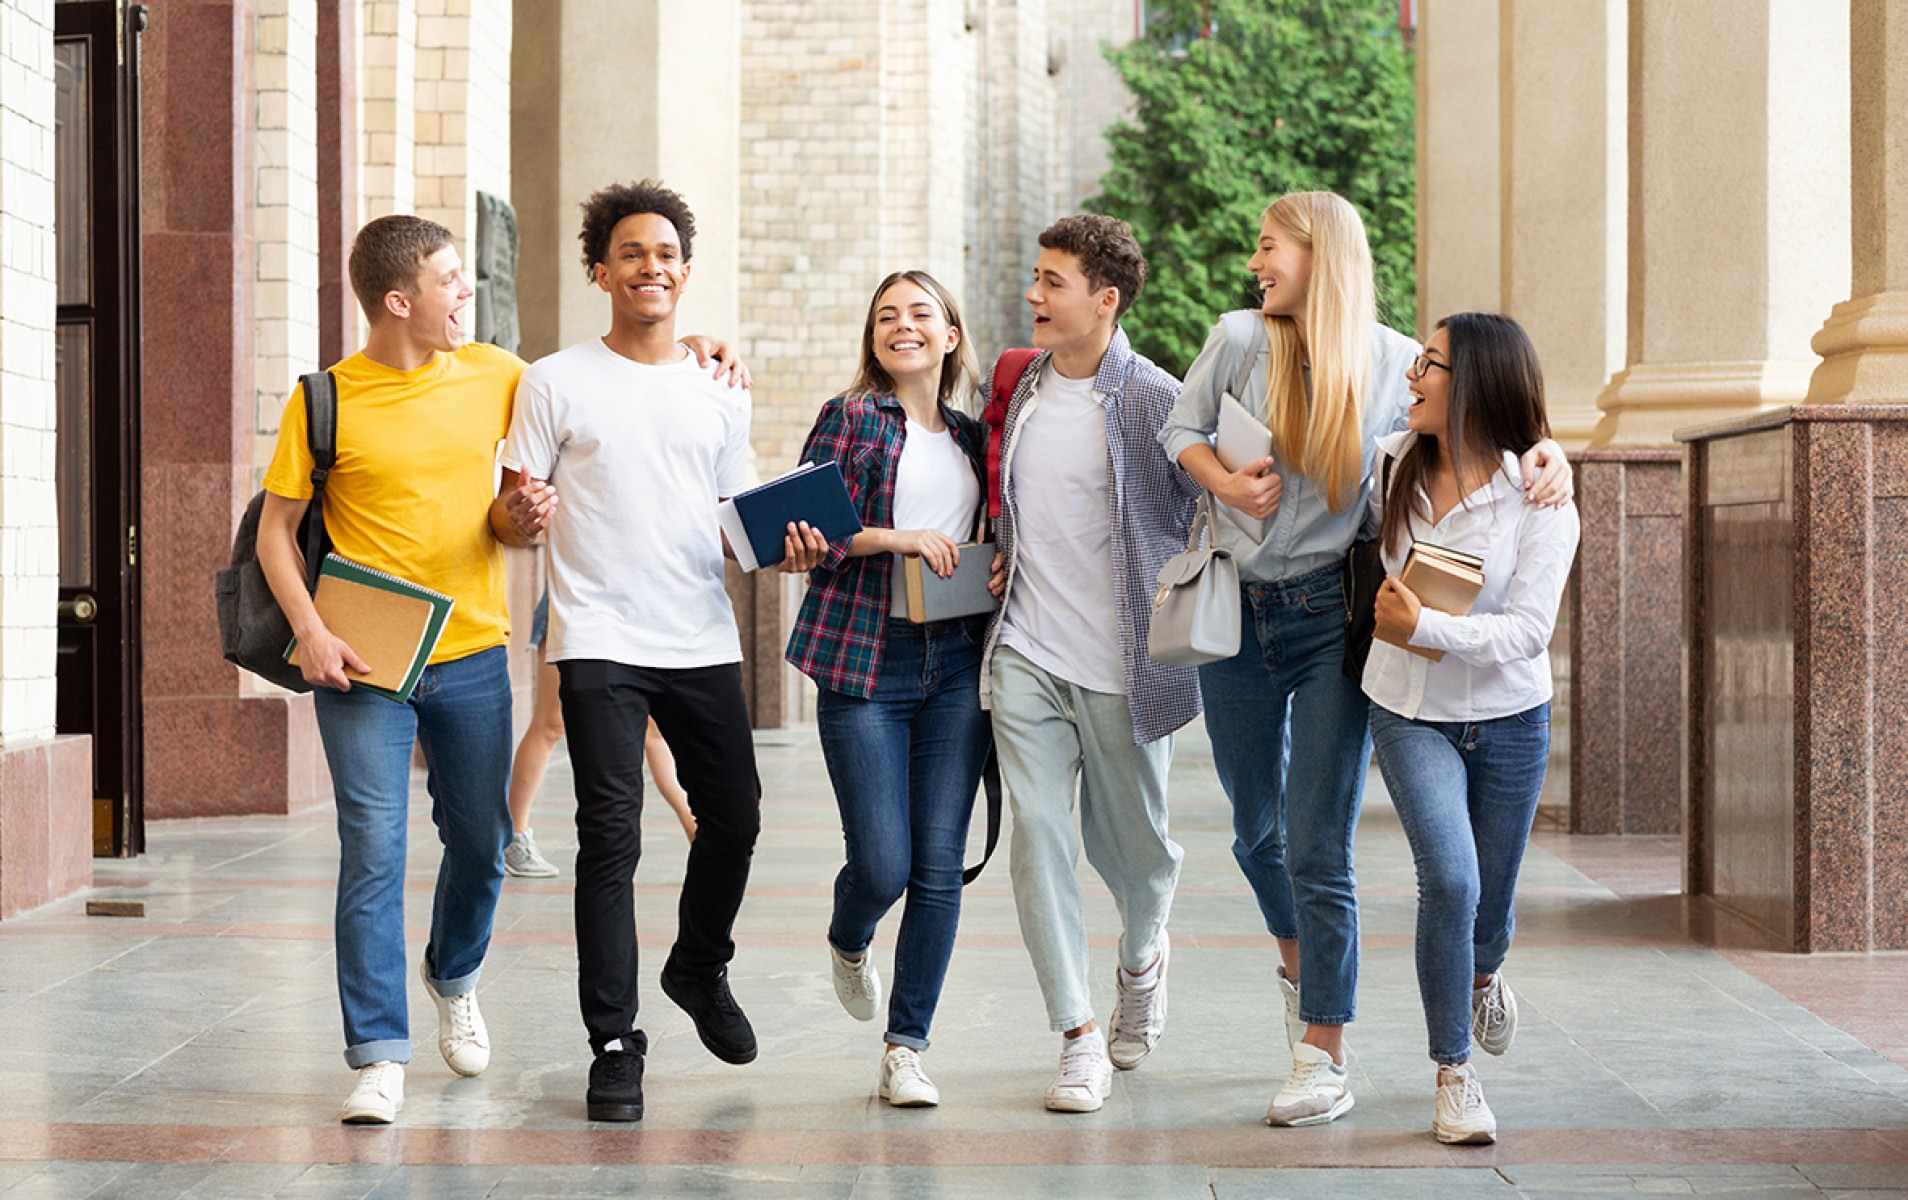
{"x":391,"y":623}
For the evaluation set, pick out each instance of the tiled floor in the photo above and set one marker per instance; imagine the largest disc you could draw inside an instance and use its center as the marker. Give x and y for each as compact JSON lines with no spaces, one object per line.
{"x":195,"y":1052}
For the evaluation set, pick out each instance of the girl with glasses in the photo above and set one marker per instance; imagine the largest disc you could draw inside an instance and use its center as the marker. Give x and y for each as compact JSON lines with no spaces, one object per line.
{"x":1463,"y":741}
{"x":1289,"y":727}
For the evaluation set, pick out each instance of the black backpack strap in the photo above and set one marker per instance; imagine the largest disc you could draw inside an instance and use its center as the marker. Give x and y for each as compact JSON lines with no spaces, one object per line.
{"x":321,"y":433}
{"x":990,"y":782}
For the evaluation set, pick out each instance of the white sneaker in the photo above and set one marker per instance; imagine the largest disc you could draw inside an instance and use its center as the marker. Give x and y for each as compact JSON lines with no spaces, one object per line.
{"x":1494,"y":1015}
{"x":1086,"y":1077}
{"x":1318,"y":1091}
{"x":1294,"y":1024}
{"x":524,"y":860}
{"x":461,"y":1036}
{"x":857,"y":984}
{"x":378,"y":1096}
{"x":1461,"y":1116}
{"x":1139,"y":1016}
{"x":903,"y":1083}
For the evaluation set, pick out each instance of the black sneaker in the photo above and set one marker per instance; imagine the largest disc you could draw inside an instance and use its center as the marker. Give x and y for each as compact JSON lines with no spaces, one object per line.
{"x":719,"y":1020}
{"x":616,"y":1086}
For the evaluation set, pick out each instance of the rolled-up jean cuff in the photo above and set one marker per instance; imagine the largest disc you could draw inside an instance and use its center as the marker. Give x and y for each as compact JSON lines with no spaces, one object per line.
{"x":1063,"y":1026}
{"x":1309,"y":1019}
{"x":1453,"y":1060}
{"x":916,"y":1044}
{"x":397,"y":1051}
{"x":456,"y":987}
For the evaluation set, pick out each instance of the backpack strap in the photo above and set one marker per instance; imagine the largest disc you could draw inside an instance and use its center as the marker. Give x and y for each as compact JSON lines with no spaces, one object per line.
{"x":321,"y":433}
{"x":1008,"y":372}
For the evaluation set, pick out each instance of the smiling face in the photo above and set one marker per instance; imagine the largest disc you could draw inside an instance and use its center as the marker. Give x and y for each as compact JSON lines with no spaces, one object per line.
{"x":1429,"y":383}
{"x":645,"y":273}
{"x":1067,"y":309}
{"x":435,"y":309}
{"x":1283,"y":267}
{"x":910,"y":333}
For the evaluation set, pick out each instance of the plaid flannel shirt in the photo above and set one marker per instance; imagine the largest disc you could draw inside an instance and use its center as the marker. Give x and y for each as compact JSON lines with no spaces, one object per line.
{"x":842,"y":627}
{"x":1150,"y":503}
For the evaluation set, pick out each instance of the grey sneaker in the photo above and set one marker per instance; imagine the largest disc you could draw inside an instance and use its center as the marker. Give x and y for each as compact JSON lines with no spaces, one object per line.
{"x":857,"y":984}
{"x":1461,"y":1117}
{"x":524,"y":860}
{"x":1494,"y":1015}
{"x":1294,"y":1024}
{"x":1139,"y":1016}
{"x":1318,"y":1091}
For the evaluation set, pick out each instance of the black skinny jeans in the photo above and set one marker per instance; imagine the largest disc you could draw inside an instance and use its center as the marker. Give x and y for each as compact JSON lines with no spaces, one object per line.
{"x":703,"y":716}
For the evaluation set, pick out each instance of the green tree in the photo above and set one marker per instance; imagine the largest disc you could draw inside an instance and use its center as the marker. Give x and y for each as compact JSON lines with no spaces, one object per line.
{"x":1237,"y":102}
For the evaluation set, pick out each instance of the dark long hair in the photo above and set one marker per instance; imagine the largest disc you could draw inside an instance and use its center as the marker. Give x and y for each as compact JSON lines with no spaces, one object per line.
{"x":1496,"y":405}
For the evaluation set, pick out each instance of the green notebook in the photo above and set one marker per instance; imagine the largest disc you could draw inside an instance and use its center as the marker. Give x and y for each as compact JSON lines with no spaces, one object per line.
{"x":391,"y":623}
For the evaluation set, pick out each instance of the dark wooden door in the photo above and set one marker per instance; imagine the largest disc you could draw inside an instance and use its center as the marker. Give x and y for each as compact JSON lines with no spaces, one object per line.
{"x":96,"y":349}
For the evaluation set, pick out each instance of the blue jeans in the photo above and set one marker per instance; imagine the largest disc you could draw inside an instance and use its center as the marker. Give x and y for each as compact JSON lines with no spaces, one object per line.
{"x":460,"y":715}
{"x":1290,"y":741}
{"x":905,"y":764}
{"x":1466,"y":793}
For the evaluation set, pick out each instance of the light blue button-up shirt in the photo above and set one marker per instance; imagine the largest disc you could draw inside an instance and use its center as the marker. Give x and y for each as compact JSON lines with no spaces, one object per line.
{"x":1304,"y":534}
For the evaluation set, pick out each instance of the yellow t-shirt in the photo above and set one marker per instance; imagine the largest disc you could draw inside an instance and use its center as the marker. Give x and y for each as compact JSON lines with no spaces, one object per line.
{"x":411,"y":489}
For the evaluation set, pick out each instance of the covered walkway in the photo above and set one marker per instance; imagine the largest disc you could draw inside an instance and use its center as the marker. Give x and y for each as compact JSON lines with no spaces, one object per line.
{"x":195,"y":1051}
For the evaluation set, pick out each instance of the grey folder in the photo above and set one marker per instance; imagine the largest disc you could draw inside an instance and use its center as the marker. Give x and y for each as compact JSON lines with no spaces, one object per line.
{"x":922,"y":596}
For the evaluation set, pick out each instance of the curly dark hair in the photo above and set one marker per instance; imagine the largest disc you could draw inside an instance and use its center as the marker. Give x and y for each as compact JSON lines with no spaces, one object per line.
{"x":1109,"y":254}
{"x":606,"y":208}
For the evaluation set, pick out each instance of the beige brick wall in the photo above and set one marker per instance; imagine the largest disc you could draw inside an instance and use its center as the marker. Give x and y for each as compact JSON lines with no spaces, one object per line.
{"x":29,"y":533}
{"x":285,"y":218}
{"x":462,"y":117}
{"x":387,"y":90}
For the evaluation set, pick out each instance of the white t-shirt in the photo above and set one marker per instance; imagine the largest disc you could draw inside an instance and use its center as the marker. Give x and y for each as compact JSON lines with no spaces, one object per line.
{"x":934,"y":484}
{"x":1060,"y":611}
{"x":640,"y":456}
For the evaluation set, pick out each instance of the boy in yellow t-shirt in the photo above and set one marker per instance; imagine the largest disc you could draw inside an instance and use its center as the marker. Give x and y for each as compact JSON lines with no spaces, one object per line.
{"x":411,"y":493}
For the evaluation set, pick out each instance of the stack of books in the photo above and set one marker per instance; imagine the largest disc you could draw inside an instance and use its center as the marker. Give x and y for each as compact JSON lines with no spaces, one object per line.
{"x":1445,"y":580}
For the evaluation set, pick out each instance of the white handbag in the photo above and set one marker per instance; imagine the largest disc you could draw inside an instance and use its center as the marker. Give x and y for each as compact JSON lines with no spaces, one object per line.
{"x":1196,"y":609}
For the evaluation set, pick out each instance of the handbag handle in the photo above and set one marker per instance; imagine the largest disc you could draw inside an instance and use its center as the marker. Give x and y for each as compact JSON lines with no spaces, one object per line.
{"x":1202,"y":522}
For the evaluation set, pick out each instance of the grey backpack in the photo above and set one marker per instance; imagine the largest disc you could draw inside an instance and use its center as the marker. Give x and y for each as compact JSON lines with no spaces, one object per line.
{"x":252,"y":628}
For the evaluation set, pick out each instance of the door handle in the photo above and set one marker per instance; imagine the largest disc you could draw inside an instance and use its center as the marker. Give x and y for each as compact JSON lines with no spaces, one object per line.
{"x":81,"y":608}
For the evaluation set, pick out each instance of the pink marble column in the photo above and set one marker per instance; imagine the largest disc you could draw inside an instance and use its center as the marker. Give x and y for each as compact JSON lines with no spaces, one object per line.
{"x":337,"y":178}
{"x":1626,"y":644}
{"x":210,"y":746}
{"x":1797,"y":693}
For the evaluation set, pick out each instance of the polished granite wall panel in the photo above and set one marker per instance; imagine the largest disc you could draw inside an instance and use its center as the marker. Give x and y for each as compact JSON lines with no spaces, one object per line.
{"x":46,"y":821}
{"x":1748,"y":686}
{"x":1626,"y":644}
{"x":211,"y":746}
{"x":1806,"y":511}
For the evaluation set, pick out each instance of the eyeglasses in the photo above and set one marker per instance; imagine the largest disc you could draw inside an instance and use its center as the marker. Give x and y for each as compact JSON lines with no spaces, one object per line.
{"x":1423,"y":363}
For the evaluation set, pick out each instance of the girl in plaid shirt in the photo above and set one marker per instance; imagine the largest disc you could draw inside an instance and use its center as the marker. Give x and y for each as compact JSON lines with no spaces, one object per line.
{"x":899,"y":712}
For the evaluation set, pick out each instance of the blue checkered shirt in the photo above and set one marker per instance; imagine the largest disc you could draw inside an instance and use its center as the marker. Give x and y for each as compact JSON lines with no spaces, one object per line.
{"x":1149,"y":513}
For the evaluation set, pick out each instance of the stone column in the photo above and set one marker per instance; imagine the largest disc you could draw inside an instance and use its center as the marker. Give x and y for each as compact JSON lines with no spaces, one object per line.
{"x":1460,"y":169}
{"x":1563,"y":197}
{"x":1796,"y":679}
{"x":1739,"y":224}
{"x":211,"y":745}
{"x":462,"y":110}
{"x":46,"y":792}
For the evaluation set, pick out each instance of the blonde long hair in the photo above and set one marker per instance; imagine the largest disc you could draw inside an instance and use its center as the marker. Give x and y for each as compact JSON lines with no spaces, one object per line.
{"x":1324,"y":437}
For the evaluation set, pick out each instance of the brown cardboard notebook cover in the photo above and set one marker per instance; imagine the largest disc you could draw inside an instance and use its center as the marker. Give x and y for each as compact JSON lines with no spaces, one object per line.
{"x":384,"y":628}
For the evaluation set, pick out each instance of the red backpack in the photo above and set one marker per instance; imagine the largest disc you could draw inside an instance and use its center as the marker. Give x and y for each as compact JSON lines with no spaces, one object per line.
{"x":1007,"y":372}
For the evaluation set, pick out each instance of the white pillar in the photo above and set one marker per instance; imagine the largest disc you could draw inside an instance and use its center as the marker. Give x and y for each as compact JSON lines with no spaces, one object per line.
{"x":1565,"y":195}
{"x":1739,"y":219}
{"x":1865,"y":342}
{"x":388,"y":87}
{"x":1460,"y":189}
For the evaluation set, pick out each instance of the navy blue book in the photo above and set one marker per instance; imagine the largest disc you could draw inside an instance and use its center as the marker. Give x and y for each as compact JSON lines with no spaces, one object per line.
{"x":757,"y":520}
